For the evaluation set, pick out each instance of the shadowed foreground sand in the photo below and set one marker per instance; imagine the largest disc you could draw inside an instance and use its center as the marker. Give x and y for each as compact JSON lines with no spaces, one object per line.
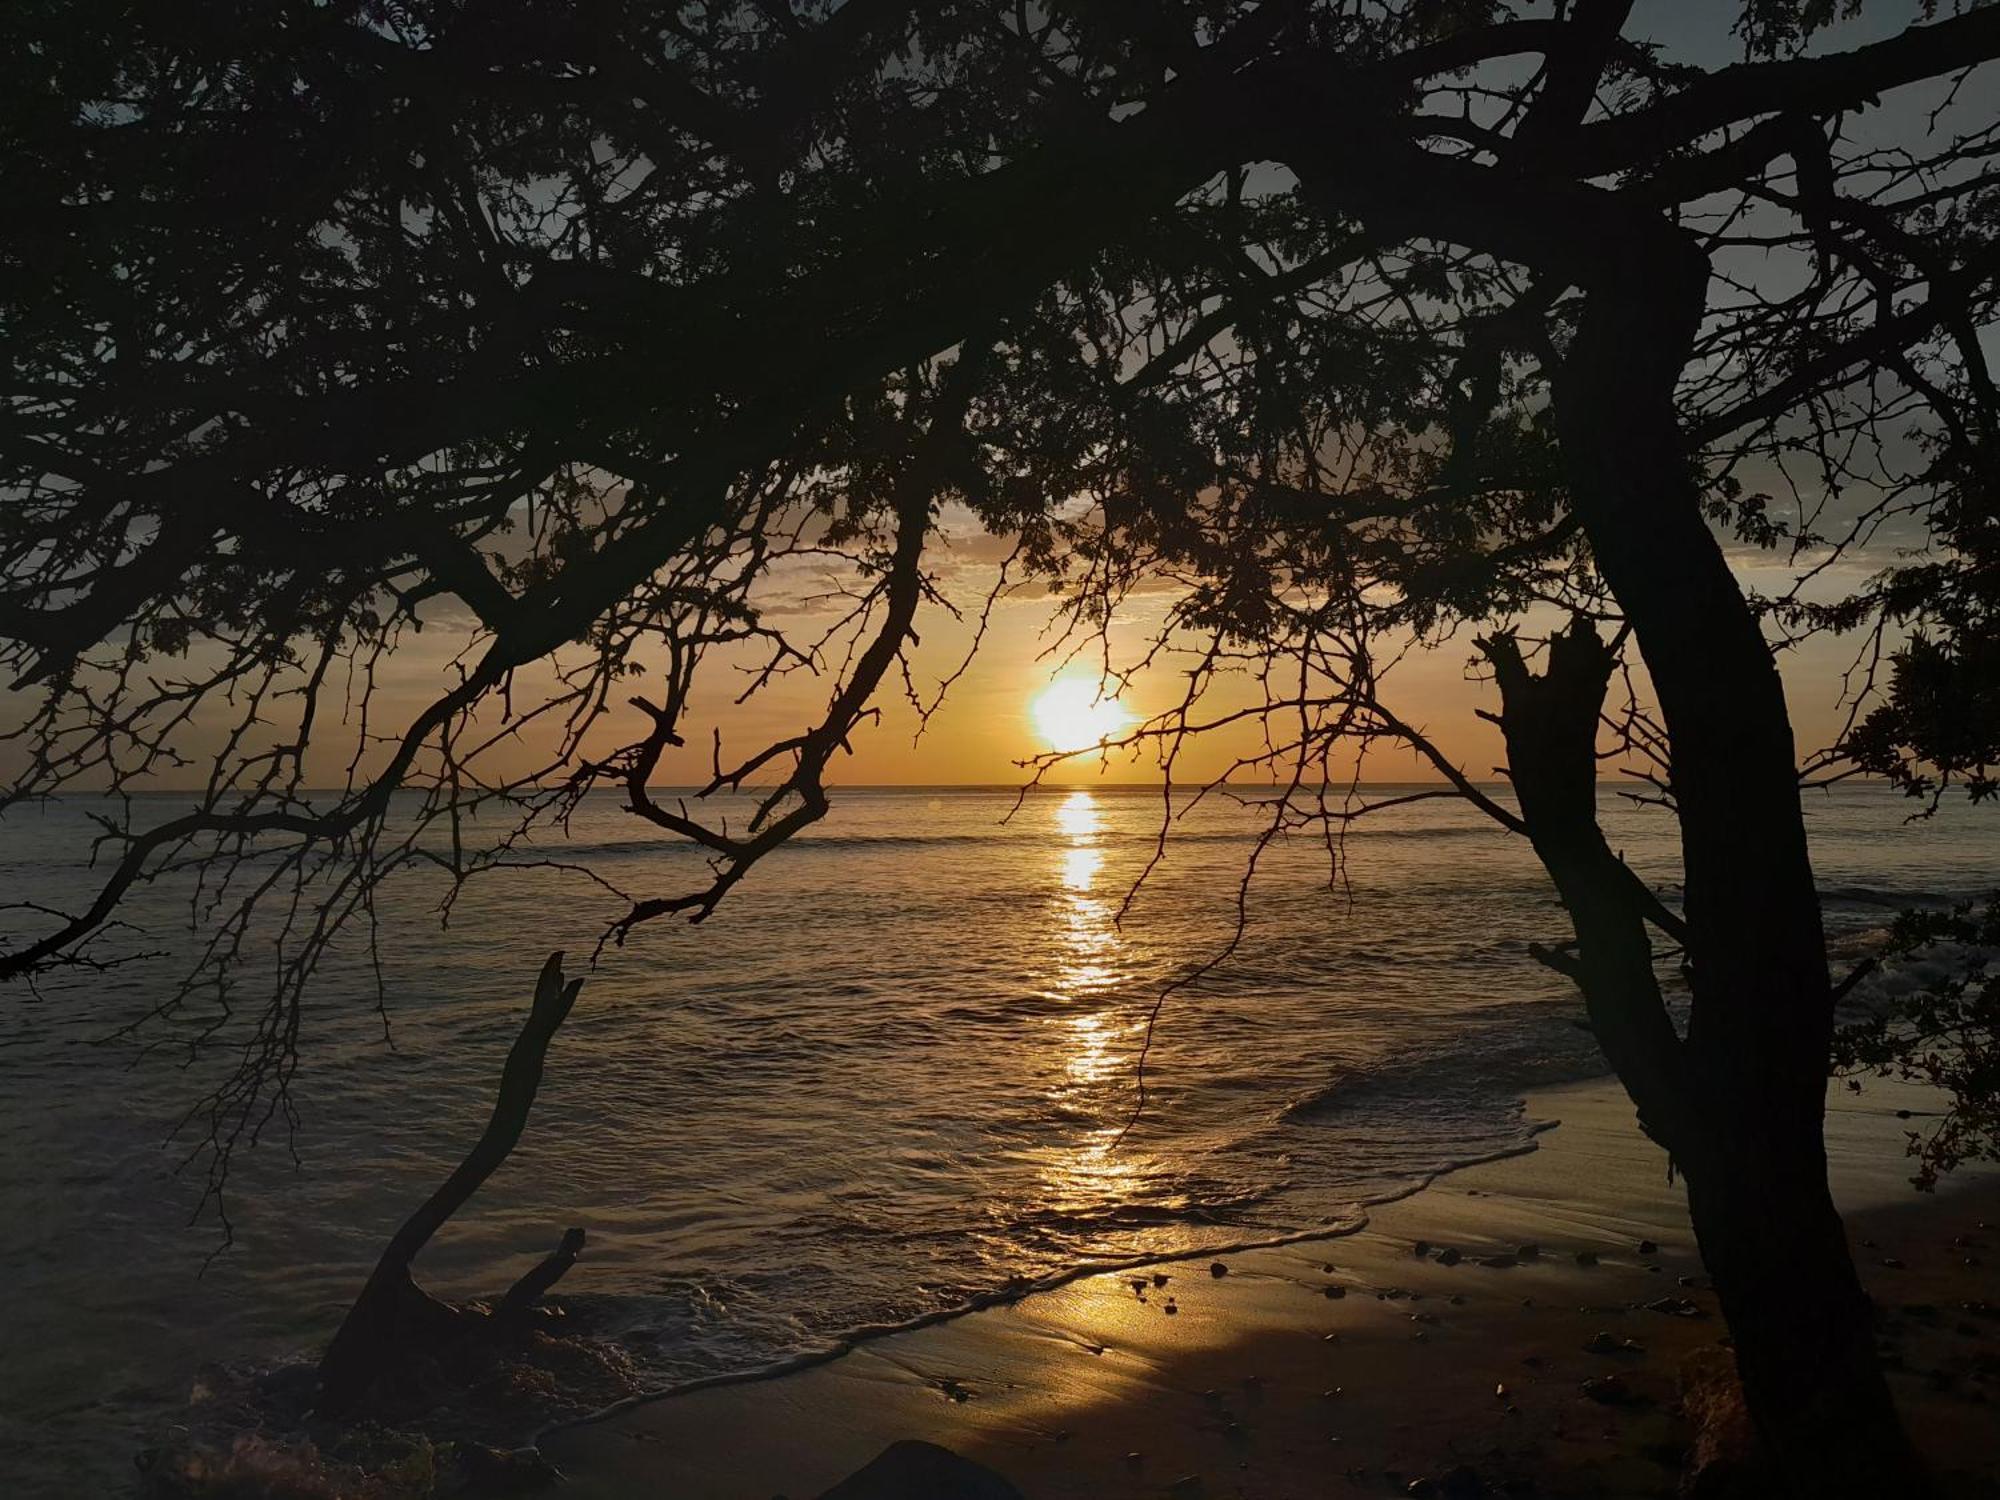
{"x":1360,"y":1365}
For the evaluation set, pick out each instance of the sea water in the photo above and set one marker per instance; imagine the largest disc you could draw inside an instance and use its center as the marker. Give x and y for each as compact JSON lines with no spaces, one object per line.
{"x":895,"y":1072}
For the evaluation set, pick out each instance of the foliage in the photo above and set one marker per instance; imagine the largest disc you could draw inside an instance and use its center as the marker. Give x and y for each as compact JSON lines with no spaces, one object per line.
{"x":1940,"y":720}
{"x":1944,"y":1032}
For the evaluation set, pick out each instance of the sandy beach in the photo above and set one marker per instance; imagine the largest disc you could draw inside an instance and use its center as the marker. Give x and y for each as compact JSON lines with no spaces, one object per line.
{"x":1517,"y":1327}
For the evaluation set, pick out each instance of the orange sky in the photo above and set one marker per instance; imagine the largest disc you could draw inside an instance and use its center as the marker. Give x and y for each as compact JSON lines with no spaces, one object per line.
{"x":986,"y":726}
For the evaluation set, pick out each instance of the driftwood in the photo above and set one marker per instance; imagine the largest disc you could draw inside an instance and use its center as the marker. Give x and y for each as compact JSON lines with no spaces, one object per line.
{"x":525,"y":1293}
{"x":394,"y":1317}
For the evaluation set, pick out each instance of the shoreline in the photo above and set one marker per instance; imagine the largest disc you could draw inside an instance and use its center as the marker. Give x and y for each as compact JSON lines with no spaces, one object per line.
{"x":1341,"y":1361}
{"x":855,"y":1340}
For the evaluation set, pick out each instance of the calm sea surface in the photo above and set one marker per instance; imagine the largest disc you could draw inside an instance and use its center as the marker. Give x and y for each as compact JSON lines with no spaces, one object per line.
{"x":887,"y":1077}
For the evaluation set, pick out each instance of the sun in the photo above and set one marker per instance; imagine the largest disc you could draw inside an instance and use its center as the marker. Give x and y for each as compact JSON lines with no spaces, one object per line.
{"x":1073,"y":714}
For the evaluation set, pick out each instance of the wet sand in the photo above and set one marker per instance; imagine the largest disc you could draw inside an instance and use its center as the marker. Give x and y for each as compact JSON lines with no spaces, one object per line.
{"x":1365,"y":1363}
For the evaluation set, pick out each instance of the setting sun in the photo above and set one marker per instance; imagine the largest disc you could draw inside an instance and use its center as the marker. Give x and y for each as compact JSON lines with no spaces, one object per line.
{"x":1073,"y":714}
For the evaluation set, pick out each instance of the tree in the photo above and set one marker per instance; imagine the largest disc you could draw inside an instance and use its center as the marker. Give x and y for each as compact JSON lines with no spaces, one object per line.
{"x":393,"y":1317}
{"x":580,"y":322}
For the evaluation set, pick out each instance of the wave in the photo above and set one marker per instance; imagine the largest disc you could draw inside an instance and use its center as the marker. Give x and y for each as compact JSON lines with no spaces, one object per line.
{"x":847,"y":1341}
{"x":1000,"y":834}
{"x":1893,"y":900}
{"x":1481,"y":1065}
{"x":1116,"y":1216}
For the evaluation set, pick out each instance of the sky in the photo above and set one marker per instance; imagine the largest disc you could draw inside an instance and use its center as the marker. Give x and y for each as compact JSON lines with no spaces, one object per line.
{"x":987,"y":726}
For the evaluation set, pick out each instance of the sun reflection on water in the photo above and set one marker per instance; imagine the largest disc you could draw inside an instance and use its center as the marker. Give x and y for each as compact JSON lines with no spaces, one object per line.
{"x":1077,"y":816}
{"x":1080,"y":867}
{"x":1093,"y":1042}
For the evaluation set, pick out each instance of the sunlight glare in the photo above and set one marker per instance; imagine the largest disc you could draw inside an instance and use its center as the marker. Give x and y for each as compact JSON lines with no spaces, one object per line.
{"x":1073,"y":714}
{"x":1077,"y":817}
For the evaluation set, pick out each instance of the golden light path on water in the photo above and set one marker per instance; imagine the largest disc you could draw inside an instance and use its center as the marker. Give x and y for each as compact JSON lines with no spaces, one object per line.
{"x":1096,"y":1043}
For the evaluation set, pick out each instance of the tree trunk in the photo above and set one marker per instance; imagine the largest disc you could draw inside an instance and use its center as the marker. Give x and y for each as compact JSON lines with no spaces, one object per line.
{"x":1754,"y":1064}
{"x":393,"y":1315}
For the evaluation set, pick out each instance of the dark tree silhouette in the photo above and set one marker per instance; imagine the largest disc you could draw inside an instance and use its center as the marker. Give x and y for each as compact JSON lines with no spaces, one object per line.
{"x":570,"y":326}
{"x":394,"y":1320}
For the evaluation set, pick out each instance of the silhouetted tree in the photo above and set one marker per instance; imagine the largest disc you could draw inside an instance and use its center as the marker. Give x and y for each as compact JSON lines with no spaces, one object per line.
{"x":575,"y":324}
{"x":394,"y":1322}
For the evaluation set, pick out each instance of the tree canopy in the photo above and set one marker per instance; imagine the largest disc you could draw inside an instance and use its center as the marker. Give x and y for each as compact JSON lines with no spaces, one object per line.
{"x":578,"y":320}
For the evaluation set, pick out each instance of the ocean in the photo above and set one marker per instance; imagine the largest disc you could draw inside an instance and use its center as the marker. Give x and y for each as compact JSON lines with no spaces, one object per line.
{"x":894,"y":1074}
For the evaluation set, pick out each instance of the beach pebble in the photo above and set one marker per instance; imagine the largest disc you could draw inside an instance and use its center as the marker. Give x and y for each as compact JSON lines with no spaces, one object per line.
{"x":1186,"y":1487}
{"x":1607,"y":1390}
{"x":1674,"y":1307}
{"x":1160,"y":1278}
{"x":1135,"y":1457}
{"x":1500,"y":1391}
{"x":1498,"y":1262}
{"x":1170,"y":1308}
{"x":1448,"y":1257}
{"x":1602,"y":1342}
{"x":1421,"y":1487}
{"x":1647,"y":1247}
{"x":1421,"y":1249}
{"x":1890,"y":1262}
{"x":1335,"y":1292}
{"x":1529,"y":1251}
{"x":1330,"y":1395}
{"x":1218,"y":1270}
{"x":1586,"y":1257}
{"x":1139,"y":1284}
{"x":1456,"y":1299}
{"x":1688,"y":1280}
